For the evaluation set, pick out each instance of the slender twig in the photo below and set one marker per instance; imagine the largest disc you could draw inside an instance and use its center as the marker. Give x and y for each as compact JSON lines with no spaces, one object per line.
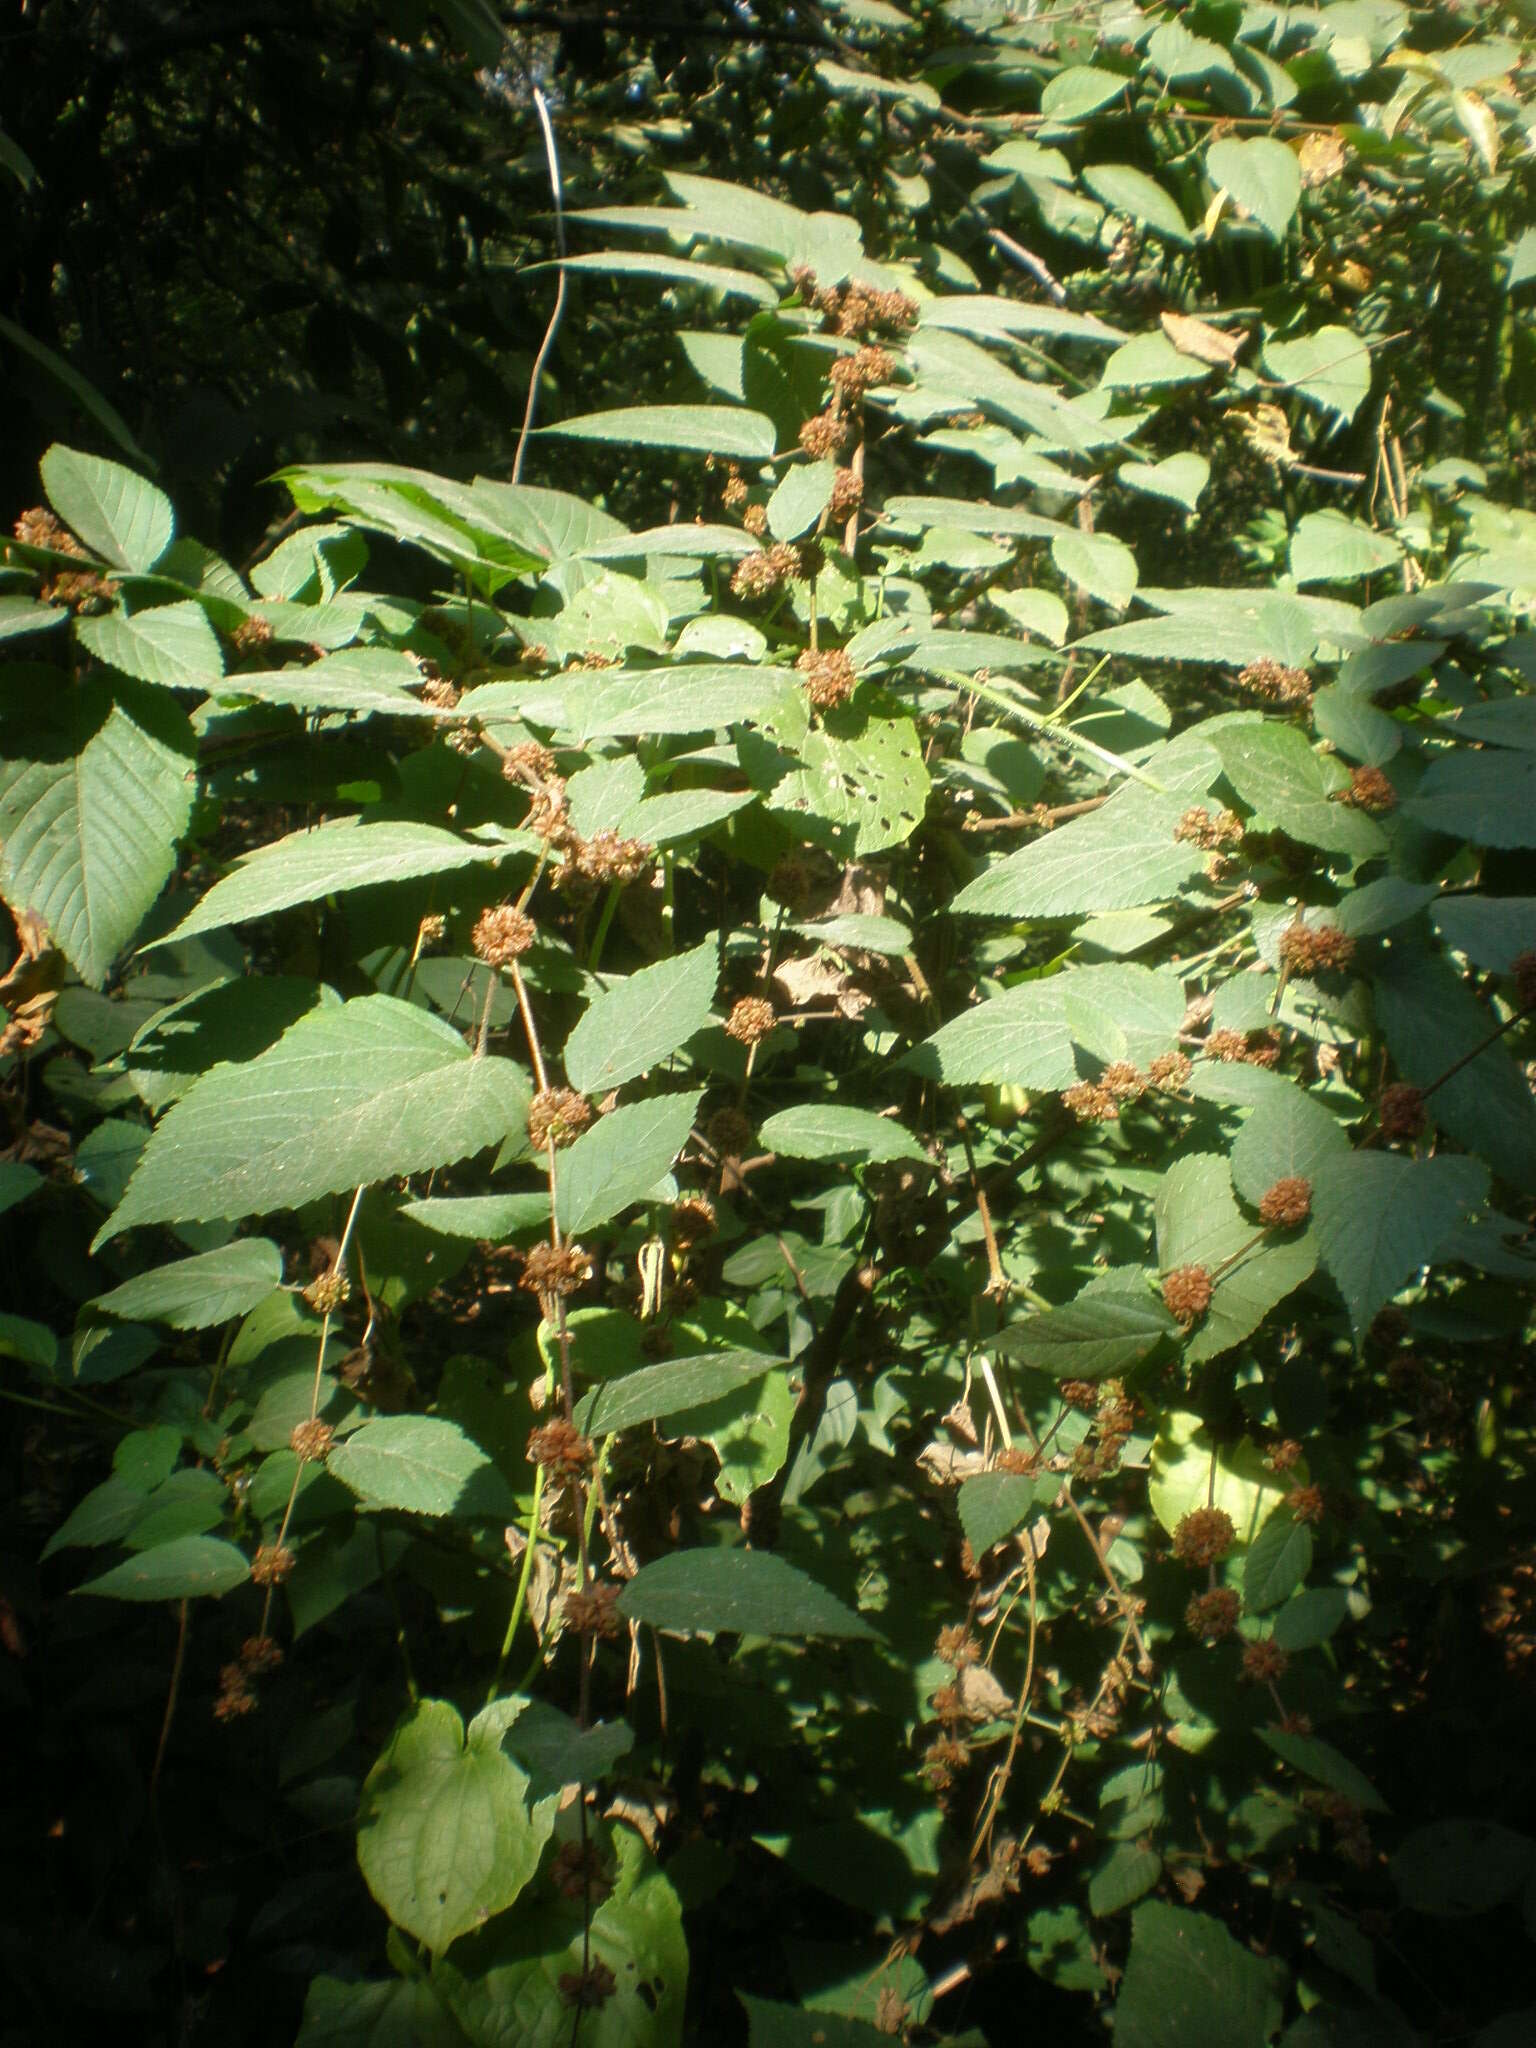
{"x":552,"y":155}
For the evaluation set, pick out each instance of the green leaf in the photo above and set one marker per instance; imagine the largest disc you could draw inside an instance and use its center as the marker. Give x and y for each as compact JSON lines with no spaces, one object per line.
{"x":479,"y":527}
{"x":867,"y":787}
{"x":1124,"y":189}
{"x":403,"y":2013}
{"x":196,"y":1293}
{"x":1199,"y":1224}
{"x":117,"y":514}
{"x":1179,"y":477}
{"x":1493,"y":931}
{"x":446,"y":1838}
{"x":81,"y":389}
{"x":993,"y":1504}
{"x":1018,"y":1039}
{"x":981,"y":314}
{"x":105,"y":1515}
{"x":740,"y":1592}
{"x":729,"y":430}
{"x":1117,"y":858}
{"x":1290,"y":785}
{"x":622,"y":1157}
{"x":1228,"y":627}
{"x":185,"y":1569}
{"x":770,"y":2025}
{"x":1188,"y":1980}
{"x":172,"y":644}
{"x":1317,"y":1759}
{"x":1328,"y":548}
{"x":488,"y":1218}
{"x":859,"y":931}
{"x":1079,"y":89}
{"x":1488,"y":797}
{"x":1454,"y":1869}
{"x":505,"y":1985}
{"x":17,"y":1181}
{"x":1331,"y":369}
{"x":1098,"y":564}
{"x":1262,"y":175}
{"x":416,"y":1463}
{"x":33,"y":1344}
{"x":712,"y":277}
{"x":1278,"y":1560}
{"x":19,"y":615}
{"x":1189,"y":1470}
{"x":1127,"y":1874}
{"x":1090,"y":1338}
{"x":825,"y":1130}
{"x":748,"y":1430}
{"x":1310,"y":1617}
{"x":1289,"y":1134}
{"x":307,"y":866}
{"x":667,"y":1389}
{"x":348,"y":1095}
{"x":837,"y":78}
{"x":641,"y":1020}
{"x":360,"y":680}
{"x":95,"y":792}
{"x":1378,"y":1219}
{"x":803,"y":494}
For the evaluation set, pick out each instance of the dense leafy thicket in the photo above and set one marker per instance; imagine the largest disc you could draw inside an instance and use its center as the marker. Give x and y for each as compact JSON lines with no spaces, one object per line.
{"x":770,"y":1157}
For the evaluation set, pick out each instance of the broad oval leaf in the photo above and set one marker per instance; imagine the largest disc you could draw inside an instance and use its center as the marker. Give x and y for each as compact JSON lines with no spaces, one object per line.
{"x":171,"y":644}
{"x":196,"y":1293}
{"x":670,"y":1388}
{"x":117,"y":514}
{"x":1278,"y":1559}
{"x":738,"y":1592}
{"x":813,"y":1130}
{"x":1379,"y":1219}
{"x":993,"y":1504}
{"x":185,"y":1569}
{"x":1262,"y":175}
{"x":730,"y":430}
{"x":640,"y":1020}
{"x":1090,"y":1338}
{"x":416,"y":1463}
{"x":621,"y":1158}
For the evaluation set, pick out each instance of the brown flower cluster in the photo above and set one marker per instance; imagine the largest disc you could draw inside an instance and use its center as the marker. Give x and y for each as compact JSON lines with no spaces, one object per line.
{"x":733,"y":491}
{"x":1187,"y":1292}
{"x":501,"y":934}
{"x":37,"y":528}
{"x":956,"y":1645}
{"x":852,"y":308}
{"x":530,"y":761}
{"x":576,"y":1872}
{"x":1523,"y":973}
{"x":1369,"y":790}
{"x":1024,"y":1464}
{"x":589,"y":1988}
{"x":755,"y":520}
{"x":431,"y":931}
{"x":605,"y":857}
{"x":824,"y":434}
{"x":271,"y":1565}
{"x":251,"y":635}
{"x":557,"y":1116}
{"x":1306,"y":1504}
{"x":555,"y":1269}
{"x":1249,"y":1048}
{"x":943,"y":1761}
{"x":829,"y":676}
{"x":1286,"y":1202}
{"x":750,"y":1020}
{"x":1203,"y":1536}
{"x":593,"y":1612}
{"x":82,"y":591}
{"x":693,"y":1219}
{"x":853,"y":375}
{"x":762,"y":572}
{"x":1090,"y":1103}
{"x":847,"y":495}
{"x":1315,"y":948}
{"x":729,"y":1133}
{"x":1264,"y":1662}
{"x":1284,"y":1455}
{"x":561,"y":1451}
{"x":1212,"y":1615}
{"x":439,"y":693}
{"x":1198,"y":828}
{"x":1401,"y":1110}
{"x":327,"y":1292}
{"x":1272,"y":679}
{"x":236,"y":1695}
{"x":310,"y":1441}
{"x":1169,"y":1069}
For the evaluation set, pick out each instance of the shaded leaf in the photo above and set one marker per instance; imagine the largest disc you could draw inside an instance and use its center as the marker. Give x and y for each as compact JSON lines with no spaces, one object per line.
{"x":621,"y":1158}
{"x":196,"y":1293}
{"x":1188,"y":1979}
{"x":185,"y":1569}
{"x":640,"y":1020}
{"x":741,"y":1592}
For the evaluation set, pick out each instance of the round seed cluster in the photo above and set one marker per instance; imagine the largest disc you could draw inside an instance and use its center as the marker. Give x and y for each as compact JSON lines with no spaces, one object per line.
{"x":1187,"y":1292}
{"x":561,"y":1450}
{"x":1212,"y":1615}
{"x":1203,"y":1536}
{"x":1169,"y":1069}
{"x":555,"y":1269}
{"x":557,"y":1116}
{"x":1401,"y":1109}
{"x":1369,"y":790}
{"x":824,"y":434}
{"x":310,"y":1441}
{"x":750,"y":1020}
{"x":1316,"y":948}
{"x":501,"y":934}
{"x":1273,"y":679}
{"x":729,"y":1133}
{"x":829,"y":676}
{"x":1286,"y":1202}
{"x":271,"y":1565}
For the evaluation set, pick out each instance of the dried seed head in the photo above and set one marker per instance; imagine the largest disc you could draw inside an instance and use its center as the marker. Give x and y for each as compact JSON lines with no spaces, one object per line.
{"x":1169,"y":1069}
{"x":750,"y":1020}
{"x":693,"y":1219}
{"x":860,"y":372}
{"x":555,"y":1269}
{"x":37,"y":528}
{"x":729,"y":1133}
{"x":803,"y":278}
{"x":829,"y":676}
{"x":605,"y":857}
{"x":734,"y":492}
{"x":847,"y":495}
{"x":1523,"y":973}
{"x":250,"y":635}
{"x":530,"y":761}
{"x":1401,"y":1110}
{"x":1273,"y":679}
{"x":593,"y":1612}
{"x":761,"y":573}
{"x":1306,"y":1503}
{"x":271,"y":1565}
{"x":431,"y":931}
{"x":943,"y":1761}
{"x":500,"y":935}
{"x":1203,"y":1536}
{"x":755,"y":520}
{"x":824,"y":434}
{"x":1198,"y":828}
{"x":1124,"y":1080}
{"x":1226,"y":1045}
{"x":82,"y":591}
{"x":1212,"y":1615}
{"x":1285,"y":1454}
{"x":956,"y":1645}
{"x":588,"y":1989}
{"x":1091,"y":1104}
{"x":557,"y":1116}
{"x":1264,"y":1662}
{"x":260,"y":1653}
{"x":235,"y":1697}
{"x":792,"y":882}
{"x":310,"y":1441}
{"x":1316,"y":948}
{"x":1187,"y":1291}
{"x":439,"y":693}
{"x":810,"y":559}
{"x":547,"y":817}
{"x":327,"y":1292}
{"x":1369,"y":790}
{"x":1024,"y":1463}
{"x":1286,"y":1202}
{"x":561,"y":1450}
